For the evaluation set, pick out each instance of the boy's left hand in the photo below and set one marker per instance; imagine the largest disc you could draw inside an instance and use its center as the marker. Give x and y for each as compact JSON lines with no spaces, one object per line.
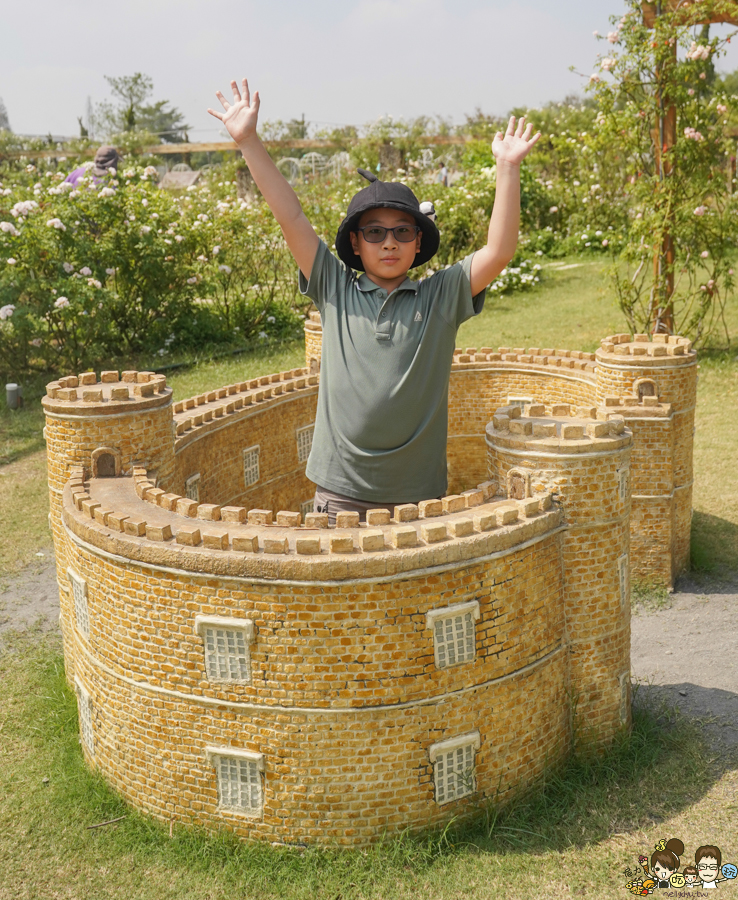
{"x":515,"y":144}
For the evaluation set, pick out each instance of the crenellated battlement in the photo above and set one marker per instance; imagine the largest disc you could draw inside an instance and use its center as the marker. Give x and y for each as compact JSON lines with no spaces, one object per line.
{"x":670,"y":349}
{"x":85,"y":394}
{"x":563,"y":430}
{"x":216,"y":406}
{"x":131,"y":518}
{"x":532,"y":356}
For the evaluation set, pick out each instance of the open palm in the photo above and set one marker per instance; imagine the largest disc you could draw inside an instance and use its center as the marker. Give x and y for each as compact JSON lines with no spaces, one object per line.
{"x":516,"y":143}
{"x":240,"y":117}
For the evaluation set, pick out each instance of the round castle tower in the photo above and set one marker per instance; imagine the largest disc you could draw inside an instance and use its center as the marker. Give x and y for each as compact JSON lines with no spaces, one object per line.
{"x":103,"y":428}
{"x":583,"y":462}
{"x":653,"y":379}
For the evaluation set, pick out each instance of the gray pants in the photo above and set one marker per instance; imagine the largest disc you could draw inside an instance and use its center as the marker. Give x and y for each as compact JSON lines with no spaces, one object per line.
{"x":328,"y":502}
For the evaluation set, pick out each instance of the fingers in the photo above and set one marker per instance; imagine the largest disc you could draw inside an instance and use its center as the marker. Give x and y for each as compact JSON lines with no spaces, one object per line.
{"x":236,"y":94}
{"x":257,"y":101}
{"x":526,"y":133}
{"x":223,"y":102}
{"x":511,"y":126}
{"x":534,"y":139}
{"x":519,"y":129}
{"x":216,"y":114}
{"x":245,"y":91}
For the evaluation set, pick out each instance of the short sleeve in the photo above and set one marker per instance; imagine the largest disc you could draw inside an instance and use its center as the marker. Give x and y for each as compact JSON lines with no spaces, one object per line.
{"x":325,"y":277}
{"x":453,"y":294}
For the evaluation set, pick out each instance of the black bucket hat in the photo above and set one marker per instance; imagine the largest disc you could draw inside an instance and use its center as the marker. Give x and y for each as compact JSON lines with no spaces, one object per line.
{"x":390,"y":195}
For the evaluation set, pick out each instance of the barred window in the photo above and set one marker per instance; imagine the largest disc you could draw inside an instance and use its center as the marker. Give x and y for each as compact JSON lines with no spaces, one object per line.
{"x":239,"y":774}
{"x":84,"y":706}
{"x":304,"y":442}
{"x":250,"y":466}
{"x":306,"y":507}
{"x":454,"y":763}
{"x":623,"y":572}
{"x":192,"y":488}
{"x":454,"y":633}
{"x":79,"y":592}
{"x":227,"y":647}
{"x":623,"y":484}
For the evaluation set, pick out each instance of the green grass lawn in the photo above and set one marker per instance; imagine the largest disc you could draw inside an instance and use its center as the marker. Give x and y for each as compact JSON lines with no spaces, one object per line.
{"x":572,"y":838}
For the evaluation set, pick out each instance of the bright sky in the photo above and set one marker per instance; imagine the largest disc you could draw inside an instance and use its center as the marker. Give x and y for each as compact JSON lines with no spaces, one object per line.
{"x":337,"y":62}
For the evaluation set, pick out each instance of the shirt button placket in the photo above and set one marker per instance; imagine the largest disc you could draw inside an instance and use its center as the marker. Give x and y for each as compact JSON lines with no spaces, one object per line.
{"x":384,"y":322}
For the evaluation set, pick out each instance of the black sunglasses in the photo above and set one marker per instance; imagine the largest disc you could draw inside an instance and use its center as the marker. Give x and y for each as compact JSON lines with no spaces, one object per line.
{"x":375,"y":234}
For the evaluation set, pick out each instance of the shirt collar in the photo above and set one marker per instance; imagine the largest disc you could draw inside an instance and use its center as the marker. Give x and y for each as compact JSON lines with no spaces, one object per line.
{"x":364,"y":283}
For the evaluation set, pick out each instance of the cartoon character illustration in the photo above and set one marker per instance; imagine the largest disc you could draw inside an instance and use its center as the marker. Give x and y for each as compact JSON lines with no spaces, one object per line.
{"x":708,"y":859}
{"x":665,"y":861}
{"x":690,"y":876}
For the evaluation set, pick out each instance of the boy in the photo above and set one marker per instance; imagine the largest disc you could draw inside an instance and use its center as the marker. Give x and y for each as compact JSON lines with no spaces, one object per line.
{"x":381,"y":426}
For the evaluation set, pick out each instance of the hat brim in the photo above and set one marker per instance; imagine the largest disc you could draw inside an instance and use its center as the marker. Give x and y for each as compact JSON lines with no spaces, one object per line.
{"x":428,"y":245}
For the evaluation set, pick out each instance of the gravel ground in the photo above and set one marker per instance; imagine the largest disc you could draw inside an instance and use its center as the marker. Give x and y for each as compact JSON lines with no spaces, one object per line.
{"x":685,"y":653}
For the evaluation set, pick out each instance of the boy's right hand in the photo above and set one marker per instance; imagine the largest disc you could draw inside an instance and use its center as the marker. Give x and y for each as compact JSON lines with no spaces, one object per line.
{"x":241,"y":116}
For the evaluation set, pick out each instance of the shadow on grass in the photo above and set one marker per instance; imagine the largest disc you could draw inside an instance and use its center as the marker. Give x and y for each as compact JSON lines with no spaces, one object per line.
{"x":714,"y":548}
{"x":659,"y":769}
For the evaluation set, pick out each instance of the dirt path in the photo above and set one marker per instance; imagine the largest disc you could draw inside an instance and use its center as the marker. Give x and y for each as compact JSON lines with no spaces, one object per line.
{"x":685,"y":653}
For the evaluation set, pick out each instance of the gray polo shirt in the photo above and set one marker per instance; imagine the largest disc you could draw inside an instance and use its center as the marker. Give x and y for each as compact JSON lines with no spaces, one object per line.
{"x":382,"y":420}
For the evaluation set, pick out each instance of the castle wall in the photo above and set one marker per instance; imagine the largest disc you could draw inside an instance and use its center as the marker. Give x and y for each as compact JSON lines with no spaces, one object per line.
{"x":215,"y":453}
{"x":345,"y":700}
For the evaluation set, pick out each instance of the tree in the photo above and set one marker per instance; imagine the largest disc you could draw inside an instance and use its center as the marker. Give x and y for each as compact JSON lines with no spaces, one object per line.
{"x":668,"y":131}
{"x":130,"y":112}
{"x":4,"y":121}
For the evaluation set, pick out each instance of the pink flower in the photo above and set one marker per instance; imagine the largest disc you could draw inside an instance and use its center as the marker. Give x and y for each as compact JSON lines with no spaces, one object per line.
{"x":6,"y":311}
{"x":705,"y":254}
{"x":594,"y":78}
{"x":595,"y":34}
{"x":613,"y":37}
{"x":36,"y":342}
{"x":711,"y":283}
{"x":690,"y":91}
{"x":700,"y":51}
{"x":703,"y":75}
{"x":730,"y":271}
{"x":607,"y":63}
{"x":700,"y":210}
{"x":722,"y":109}
{"x":61,"y":302}
{"x":554,"y":209}
{"x":605,"y":242}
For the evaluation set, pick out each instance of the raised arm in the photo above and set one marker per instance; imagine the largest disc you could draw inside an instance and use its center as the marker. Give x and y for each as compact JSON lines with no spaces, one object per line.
{"x":240,"y":118}
{"x":509,"y":149}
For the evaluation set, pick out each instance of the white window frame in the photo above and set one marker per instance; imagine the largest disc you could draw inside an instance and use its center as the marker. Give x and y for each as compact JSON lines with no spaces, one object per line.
{"x":243,"y":629}
{"x":518,"y":401}
{"x":251,"y":467}
{"x":224,"y":758}
{"x":192,"y":487}
{"x":81,"y":608}
{"x":84,"y":708}
{"x":623,"y":576}
{"x":623,"y":475}
{"x":446,"y":753}
{"x":304,"y":438}
{"x":436,"y":619}
{"x":307,"y":507}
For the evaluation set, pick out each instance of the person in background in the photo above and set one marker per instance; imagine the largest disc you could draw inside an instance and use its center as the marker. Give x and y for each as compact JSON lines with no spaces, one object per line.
{"x":442,"y":177}
{"x":106,"y":163}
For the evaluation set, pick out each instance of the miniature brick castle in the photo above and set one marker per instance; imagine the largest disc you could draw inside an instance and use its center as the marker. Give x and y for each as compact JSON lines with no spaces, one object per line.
{"x":257,"y":670}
